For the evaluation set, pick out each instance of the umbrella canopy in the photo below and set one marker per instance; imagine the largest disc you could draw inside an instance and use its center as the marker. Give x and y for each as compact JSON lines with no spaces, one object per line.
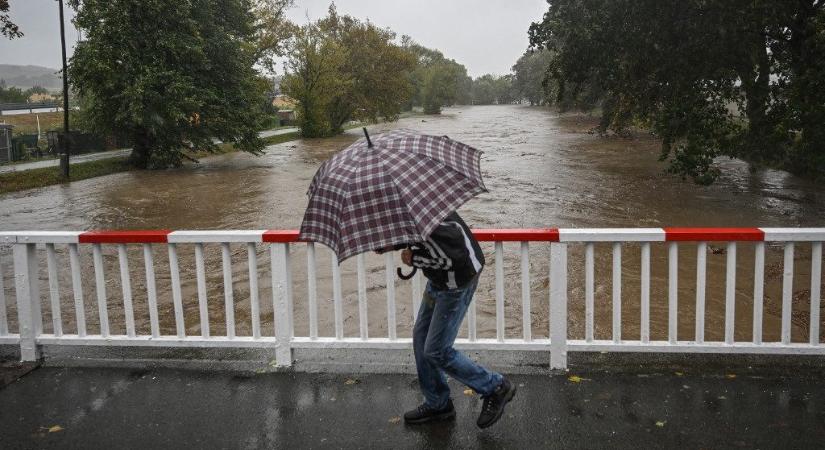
{"x":391,"y":190}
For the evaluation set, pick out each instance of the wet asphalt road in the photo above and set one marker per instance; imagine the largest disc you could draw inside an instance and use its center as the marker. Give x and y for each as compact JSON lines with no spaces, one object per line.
{"x":164,"y":408}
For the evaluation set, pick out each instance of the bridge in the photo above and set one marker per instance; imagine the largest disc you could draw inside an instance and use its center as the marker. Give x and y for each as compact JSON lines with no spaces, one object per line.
{"x":181,"y":322}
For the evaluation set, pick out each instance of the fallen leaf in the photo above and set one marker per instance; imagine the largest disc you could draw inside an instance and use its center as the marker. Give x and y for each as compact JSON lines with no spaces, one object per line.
{"x":722,"y":397}
{"x":678,"y":374}
{"x":351,"y":381}
{"x":55,"y":429}
{"x":660,"y":423}
{"x":395,"y":419}
{"x":576,"y":379}
{"x":730,"y":376}
{"x":469,"y":392}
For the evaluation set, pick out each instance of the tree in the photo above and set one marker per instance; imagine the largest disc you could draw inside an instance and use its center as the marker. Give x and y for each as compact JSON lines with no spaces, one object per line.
{"x":343,"y":69}
{"x":530,"y":77}
{"x":312,"y":68}
{"x":170,"y":75}
{"x":734,"y":78}
{"x":493,"y":90}
{"x":36,"y":90}
{"x":436,"y":81}
{"x":7,"y":27}
{"x":272,"y":31}
{"x":11,"y":94}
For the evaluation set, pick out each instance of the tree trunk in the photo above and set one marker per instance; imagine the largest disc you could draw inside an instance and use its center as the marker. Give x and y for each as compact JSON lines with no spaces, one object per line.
{"x":141,"y":150}
{"x":755,"y":79}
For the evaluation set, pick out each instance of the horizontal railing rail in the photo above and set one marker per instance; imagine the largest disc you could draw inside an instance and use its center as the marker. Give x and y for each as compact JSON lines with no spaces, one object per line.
{"x":62,"y":252}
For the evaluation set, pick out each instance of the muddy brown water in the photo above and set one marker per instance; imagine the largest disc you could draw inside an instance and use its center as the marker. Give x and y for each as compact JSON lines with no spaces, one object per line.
{"x":542,"y":170}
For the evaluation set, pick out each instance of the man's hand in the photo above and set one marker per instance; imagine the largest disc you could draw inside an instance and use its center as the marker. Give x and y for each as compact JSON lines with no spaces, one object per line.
{"x":406,"y":256}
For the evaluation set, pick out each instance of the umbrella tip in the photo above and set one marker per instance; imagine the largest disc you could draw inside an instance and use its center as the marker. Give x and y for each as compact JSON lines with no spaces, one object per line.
{"x":369,"y":141}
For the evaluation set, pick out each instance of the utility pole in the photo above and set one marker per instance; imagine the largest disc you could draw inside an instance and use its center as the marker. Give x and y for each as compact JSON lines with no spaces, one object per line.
{"x":64,"y":141}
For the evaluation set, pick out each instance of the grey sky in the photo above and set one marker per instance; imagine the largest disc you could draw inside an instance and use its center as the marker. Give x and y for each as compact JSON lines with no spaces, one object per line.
{"x":487,"y":36}
{"x":39,"y":21}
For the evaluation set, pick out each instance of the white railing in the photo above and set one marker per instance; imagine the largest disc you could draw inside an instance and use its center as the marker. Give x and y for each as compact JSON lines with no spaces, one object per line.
{"x":29,"y":331}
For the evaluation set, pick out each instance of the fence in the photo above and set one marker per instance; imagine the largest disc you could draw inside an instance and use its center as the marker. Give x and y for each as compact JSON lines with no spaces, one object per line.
{"x":282,"y":337}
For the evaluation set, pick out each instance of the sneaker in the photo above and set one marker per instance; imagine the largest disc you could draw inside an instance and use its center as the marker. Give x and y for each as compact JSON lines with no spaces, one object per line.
{"x":494,"y":404}
{"x":424,"y":414}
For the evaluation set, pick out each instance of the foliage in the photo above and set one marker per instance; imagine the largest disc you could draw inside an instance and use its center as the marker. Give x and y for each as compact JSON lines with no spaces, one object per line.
{"x":736,"y":78}
{"x":436,"y":81}
{"x":170,"y":75}
{"x":12,"y":94}
{"x":7,"y":27}
{"x":493,"y":90}
{"x":342,"y":69}
{"x":272,"y":31}
{"x":36,"y":90}
{"x":530,"y":76}
{"x":311,"y":79}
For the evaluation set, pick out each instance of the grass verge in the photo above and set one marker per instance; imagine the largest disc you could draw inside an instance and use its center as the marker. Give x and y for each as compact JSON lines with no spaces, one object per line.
{"x":47,"y":176}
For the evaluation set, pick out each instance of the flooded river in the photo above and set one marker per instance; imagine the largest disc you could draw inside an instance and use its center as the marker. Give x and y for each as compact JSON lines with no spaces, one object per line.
{"x":542,"y":170}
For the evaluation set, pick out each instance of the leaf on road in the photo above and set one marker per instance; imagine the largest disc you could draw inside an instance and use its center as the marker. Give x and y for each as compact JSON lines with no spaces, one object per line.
{"x":55,"y":429}
{"x":577,"y":379}
{"x":660,"y":423}
{"x":351,"y":381}
{"x":678,"y":374}
{"x":730,"y":376}
{"x":395,"y":419}
{"x":469,"y":392}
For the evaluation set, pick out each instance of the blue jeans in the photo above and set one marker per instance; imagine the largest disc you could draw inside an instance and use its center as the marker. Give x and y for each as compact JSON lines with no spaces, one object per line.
{"x":435,"y":331}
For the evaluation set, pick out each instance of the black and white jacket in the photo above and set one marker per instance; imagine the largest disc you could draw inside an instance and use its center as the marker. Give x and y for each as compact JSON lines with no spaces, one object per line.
{"x":451,"y":256}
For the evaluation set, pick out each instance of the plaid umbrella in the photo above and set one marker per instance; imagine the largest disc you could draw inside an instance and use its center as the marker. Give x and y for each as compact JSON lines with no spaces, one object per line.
{"x":389,"y":191}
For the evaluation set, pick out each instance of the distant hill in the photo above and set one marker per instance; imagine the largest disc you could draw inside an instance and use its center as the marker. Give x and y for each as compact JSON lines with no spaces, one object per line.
{"x":25,"y":77}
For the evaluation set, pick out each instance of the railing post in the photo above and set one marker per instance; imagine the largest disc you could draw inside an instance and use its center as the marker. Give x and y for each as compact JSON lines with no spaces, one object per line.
{"x":28,"y":299}
{"x":279,"y":254}
{"x":558,"y":305}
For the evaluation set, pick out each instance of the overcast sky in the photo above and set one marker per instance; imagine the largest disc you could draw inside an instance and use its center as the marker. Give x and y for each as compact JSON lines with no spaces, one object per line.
{"x":487,"y":36}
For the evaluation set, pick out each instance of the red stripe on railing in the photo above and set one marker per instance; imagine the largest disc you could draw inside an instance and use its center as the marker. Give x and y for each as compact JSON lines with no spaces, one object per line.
{"x":518,"y":235}
{"x":714,"y":234}
{"x":124,"y":237}
{"x":282,"y":236}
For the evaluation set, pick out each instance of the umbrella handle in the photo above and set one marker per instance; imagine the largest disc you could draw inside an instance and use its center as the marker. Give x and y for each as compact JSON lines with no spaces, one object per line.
{"x":408,"y":276}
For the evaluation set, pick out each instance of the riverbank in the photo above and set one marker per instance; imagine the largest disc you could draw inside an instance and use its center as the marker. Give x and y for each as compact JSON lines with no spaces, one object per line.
{"x":48,"y":176}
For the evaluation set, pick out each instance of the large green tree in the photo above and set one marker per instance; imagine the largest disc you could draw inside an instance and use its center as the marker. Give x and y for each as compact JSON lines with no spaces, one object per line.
{"x":342,"y":69}
{"x":312,"y":78}
{"x":530,"y":80}
{"x":713,"y":78}
{"x":169,"y":75}
{"x":437,"y":81}
{"x":491,"y":89}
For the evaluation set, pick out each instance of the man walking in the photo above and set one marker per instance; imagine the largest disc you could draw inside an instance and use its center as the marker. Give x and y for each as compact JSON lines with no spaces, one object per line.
{"x":452,"y":260}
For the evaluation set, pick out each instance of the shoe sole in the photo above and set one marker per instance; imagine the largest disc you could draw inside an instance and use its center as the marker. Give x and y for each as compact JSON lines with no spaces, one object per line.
{"x":507,"y":399}
{"x":436,"y":418}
